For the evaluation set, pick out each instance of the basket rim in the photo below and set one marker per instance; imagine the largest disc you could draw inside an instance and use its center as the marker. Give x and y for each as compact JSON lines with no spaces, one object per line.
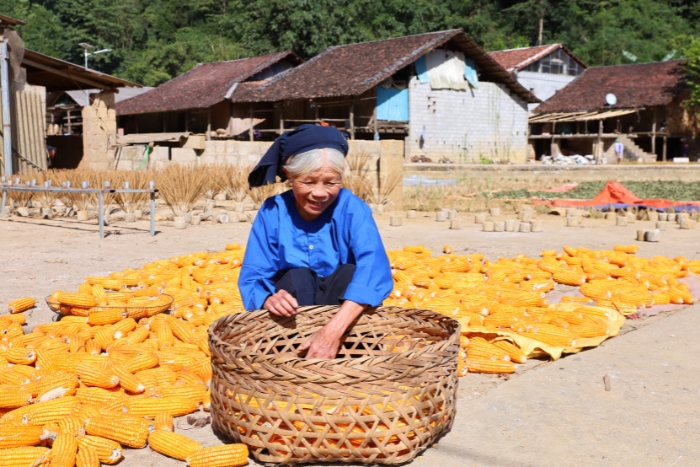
{"x":241,"y":353}
{"x":52,"y":303}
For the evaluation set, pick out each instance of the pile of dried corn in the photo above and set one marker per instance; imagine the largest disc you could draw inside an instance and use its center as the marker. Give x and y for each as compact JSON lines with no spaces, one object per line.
{"x":97,"y":380}
{"x":499,"y":302}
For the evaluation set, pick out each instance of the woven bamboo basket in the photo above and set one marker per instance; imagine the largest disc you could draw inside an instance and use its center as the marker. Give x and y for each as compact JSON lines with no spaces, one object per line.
{"x":390,"y":393}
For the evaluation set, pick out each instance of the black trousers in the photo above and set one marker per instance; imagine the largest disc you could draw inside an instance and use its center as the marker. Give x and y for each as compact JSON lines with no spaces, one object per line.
{"x":309,"y":289}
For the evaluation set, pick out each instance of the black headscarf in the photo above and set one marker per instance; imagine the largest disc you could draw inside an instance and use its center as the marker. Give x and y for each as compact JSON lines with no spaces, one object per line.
{"x":302,"y":139}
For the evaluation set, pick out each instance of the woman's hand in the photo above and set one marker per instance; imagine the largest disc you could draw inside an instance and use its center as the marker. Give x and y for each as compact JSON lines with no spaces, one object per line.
{"x":326,"y":341}
{"x":281,"y":303}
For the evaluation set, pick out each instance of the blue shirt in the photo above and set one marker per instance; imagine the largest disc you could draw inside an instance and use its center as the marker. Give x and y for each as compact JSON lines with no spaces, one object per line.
{"x":345,"y":233}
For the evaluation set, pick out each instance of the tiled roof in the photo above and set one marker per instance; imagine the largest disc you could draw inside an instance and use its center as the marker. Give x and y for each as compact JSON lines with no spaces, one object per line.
{"x":634,"y":86}
{"x":350,"y":70}
{"x":201,"y":87}
{"x":516,"y":59}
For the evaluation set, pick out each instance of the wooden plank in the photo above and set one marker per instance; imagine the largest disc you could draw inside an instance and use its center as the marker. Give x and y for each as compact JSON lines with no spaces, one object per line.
{"x":71,"y":76}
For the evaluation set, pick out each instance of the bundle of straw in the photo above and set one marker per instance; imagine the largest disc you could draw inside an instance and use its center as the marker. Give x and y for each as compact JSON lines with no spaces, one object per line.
{"x":138,"y":180}
{"x":233,"y":181}
{"x":357,"y":177}
{"x":386,"y":184}
{"x":180,"y":186}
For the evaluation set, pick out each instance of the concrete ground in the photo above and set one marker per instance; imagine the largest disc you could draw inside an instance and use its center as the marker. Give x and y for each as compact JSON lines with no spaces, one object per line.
{"x":548,"y":414}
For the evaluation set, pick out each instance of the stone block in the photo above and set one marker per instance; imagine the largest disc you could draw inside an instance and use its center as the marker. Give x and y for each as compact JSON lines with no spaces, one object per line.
{"x":195,"y":142}
{"x":183,"y":155}
{"x":131,"y":153}
{"x":160,"y":153}
{"x":124,"y":165}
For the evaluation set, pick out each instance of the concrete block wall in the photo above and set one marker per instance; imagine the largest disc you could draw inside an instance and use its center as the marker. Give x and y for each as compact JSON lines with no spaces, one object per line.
{"x":99,"y":131}
{"x":466,"y":126}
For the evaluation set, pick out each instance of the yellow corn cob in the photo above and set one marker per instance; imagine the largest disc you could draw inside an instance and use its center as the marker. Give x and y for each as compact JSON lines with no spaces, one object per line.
{"x":42,"y":412}
{"x":67,"y":381}
{"x":164,"y":421}
{"x":87,"y":411}
{"x":141,"y":362}
{"x":94,"y":395}
{"x":483,"y":365}
{"x":75,"y":299}
{"x":20,"y":356}
{"x":103,"y":316}
{"x":23,"y":457}
{"x":176,"y":406}
{"x":516,"y":355}
{"x":194,"y":392}
{"x":155,"y":376}
{"x":228,"y":455}
{"x":108,"y":451}
{"x":630,"y":249}
{"x":12,"y":378}
{"x":124,"y":429}
{"x":71,"y":425}
{"x":91,"y":375}
{"x":63,"y":450}
{"x":19,"y":319}
{"x":172,"y":444}
{"x":20,"y":304}
{"x":14,"y":397}
{"x":127,"y":380}
{"x":187,"y":378}
{"x":93,"y":347}
{"x":140,"y":334}
{"x":14,"y":436}
{"x":87,"y":457}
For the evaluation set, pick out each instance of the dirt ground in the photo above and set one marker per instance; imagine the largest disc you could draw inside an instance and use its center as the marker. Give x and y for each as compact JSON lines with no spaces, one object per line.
{"x":548,"y":414}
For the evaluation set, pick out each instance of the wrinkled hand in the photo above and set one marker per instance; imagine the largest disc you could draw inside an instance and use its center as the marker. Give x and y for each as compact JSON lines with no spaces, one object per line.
{"x":281,"y":303}
{"x":323,"y":344}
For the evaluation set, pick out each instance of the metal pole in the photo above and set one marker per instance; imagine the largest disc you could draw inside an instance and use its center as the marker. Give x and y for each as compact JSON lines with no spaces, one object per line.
{"x":86,"y":56}
{"x":100,"y":214}
{"x":6,"y":117}
{"x":152,"y":187}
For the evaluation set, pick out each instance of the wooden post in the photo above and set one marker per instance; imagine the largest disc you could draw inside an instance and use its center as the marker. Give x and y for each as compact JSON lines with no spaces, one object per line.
{"x":209,"y":124}
{"x":70,"y":128}
{"x":352,"y":120}
{"x":281,"y":117}
{"x":250,"y":131}
{"x":653,"y":134}
{"x":316,"y":112}
{"x":599,"y":152}
{"x":374,"y":117}
{"x":664,"y":151}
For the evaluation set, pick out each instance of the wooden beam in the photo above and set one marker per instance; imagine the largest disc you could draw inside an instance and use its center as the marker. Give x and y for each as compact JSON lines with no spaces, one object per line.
{"x":653,"y":134}
{"x":209,"y":124}
{"x":65,"y":74}
{"x":352,"y":120}
{"x":250,"y":130}
{"x":664,"y":151}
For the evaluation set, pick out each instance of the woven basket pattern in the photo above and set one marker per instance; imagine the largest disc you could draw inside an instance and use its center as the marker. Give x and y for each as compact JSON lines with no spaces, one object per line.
{"x":390,"y":393}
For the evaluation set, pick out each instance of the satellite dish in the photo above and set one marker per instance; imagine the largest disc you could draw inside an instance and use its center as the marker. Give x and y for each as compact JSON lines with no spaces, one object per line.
{"x":610,"y":99}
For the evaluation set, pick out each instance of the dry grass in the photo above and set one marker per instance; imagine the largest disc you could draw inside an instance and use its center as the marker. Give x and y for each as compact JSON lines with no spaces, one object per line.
{"x":138,"y":180}
{"x":470,"y":194}
{"x":180,"y":186}
{"x":357,"y":178}
{"x":233,"y":181}
{"x":260,"y":194}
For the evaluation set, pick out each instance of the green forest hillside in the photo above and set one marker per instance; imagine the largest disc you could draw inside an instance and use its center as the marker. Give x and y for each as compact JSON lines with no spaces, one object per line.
{"x":154,"y":40}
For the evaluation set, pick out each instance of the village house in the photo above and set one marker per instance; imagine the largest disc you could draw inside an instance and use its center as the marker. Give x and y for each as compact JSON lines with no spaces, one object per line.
{"x":544,"y":69}
{"x":440,"y":93}
{"x":27,"y":77}
{"x":641,"y":105}
{"x":198,"y":101}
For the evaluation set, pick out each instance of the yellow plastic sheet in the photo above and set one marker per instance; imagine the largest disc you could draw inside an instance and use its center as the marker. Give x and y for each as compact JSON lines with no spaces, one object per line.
{"x":534,"y":348}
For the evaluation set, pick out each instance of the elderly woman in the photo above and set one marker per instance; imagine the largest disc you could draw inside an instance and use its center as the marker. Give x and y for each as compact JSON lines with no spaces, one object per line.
{"x":316,"y":244}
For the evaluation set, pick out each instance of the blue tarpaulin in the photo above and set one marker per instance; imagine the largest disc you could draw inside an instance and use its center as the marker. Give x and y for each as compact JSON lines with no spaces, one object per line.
{"x":470,"y":73}
{"x":392,"y":104}
{"x":422,"y":70}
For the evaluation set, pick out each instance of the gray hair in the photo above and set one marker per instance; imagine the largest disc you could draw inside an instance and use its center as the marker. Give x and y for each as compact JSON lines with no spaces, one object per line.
{"x":303,"y":164}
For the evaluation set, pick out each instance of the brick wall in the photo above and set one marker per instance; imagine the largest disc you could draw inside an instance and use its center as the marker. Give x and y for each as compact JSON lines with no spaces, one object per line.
{"x":461,"y":126}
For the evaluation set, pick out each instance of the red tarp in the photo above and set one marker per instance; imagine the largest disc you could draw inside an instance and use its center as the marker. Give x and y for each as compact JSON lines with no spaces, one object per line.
{"x":617,"y":196}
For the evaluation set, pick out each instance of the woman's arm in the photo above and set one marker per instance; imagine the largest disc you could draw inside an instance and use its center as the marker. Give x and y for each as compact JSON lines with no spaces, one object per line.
{"x":326,"y":341}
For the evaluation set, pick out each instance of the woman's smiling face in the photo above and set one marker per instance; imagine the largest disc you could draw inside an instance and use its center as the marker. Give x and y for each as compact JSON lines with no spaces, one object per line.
{"x":314,"y":192}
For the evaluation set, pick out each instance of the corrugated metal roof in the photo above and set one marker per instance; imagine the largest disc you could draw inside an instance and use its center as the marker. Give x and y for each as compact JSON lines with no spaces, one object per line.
{"x":352,"y":69}
{"x":201,"y":87}
{"x":122,"y":94}
{"x":634,"y":86}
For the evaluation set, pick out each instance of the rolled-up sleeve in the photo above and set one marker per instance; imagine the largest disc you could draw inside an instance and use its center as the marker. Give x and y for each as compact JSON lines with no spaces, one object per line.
{"x":372,"y":282}
{"x":260,"y":262}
